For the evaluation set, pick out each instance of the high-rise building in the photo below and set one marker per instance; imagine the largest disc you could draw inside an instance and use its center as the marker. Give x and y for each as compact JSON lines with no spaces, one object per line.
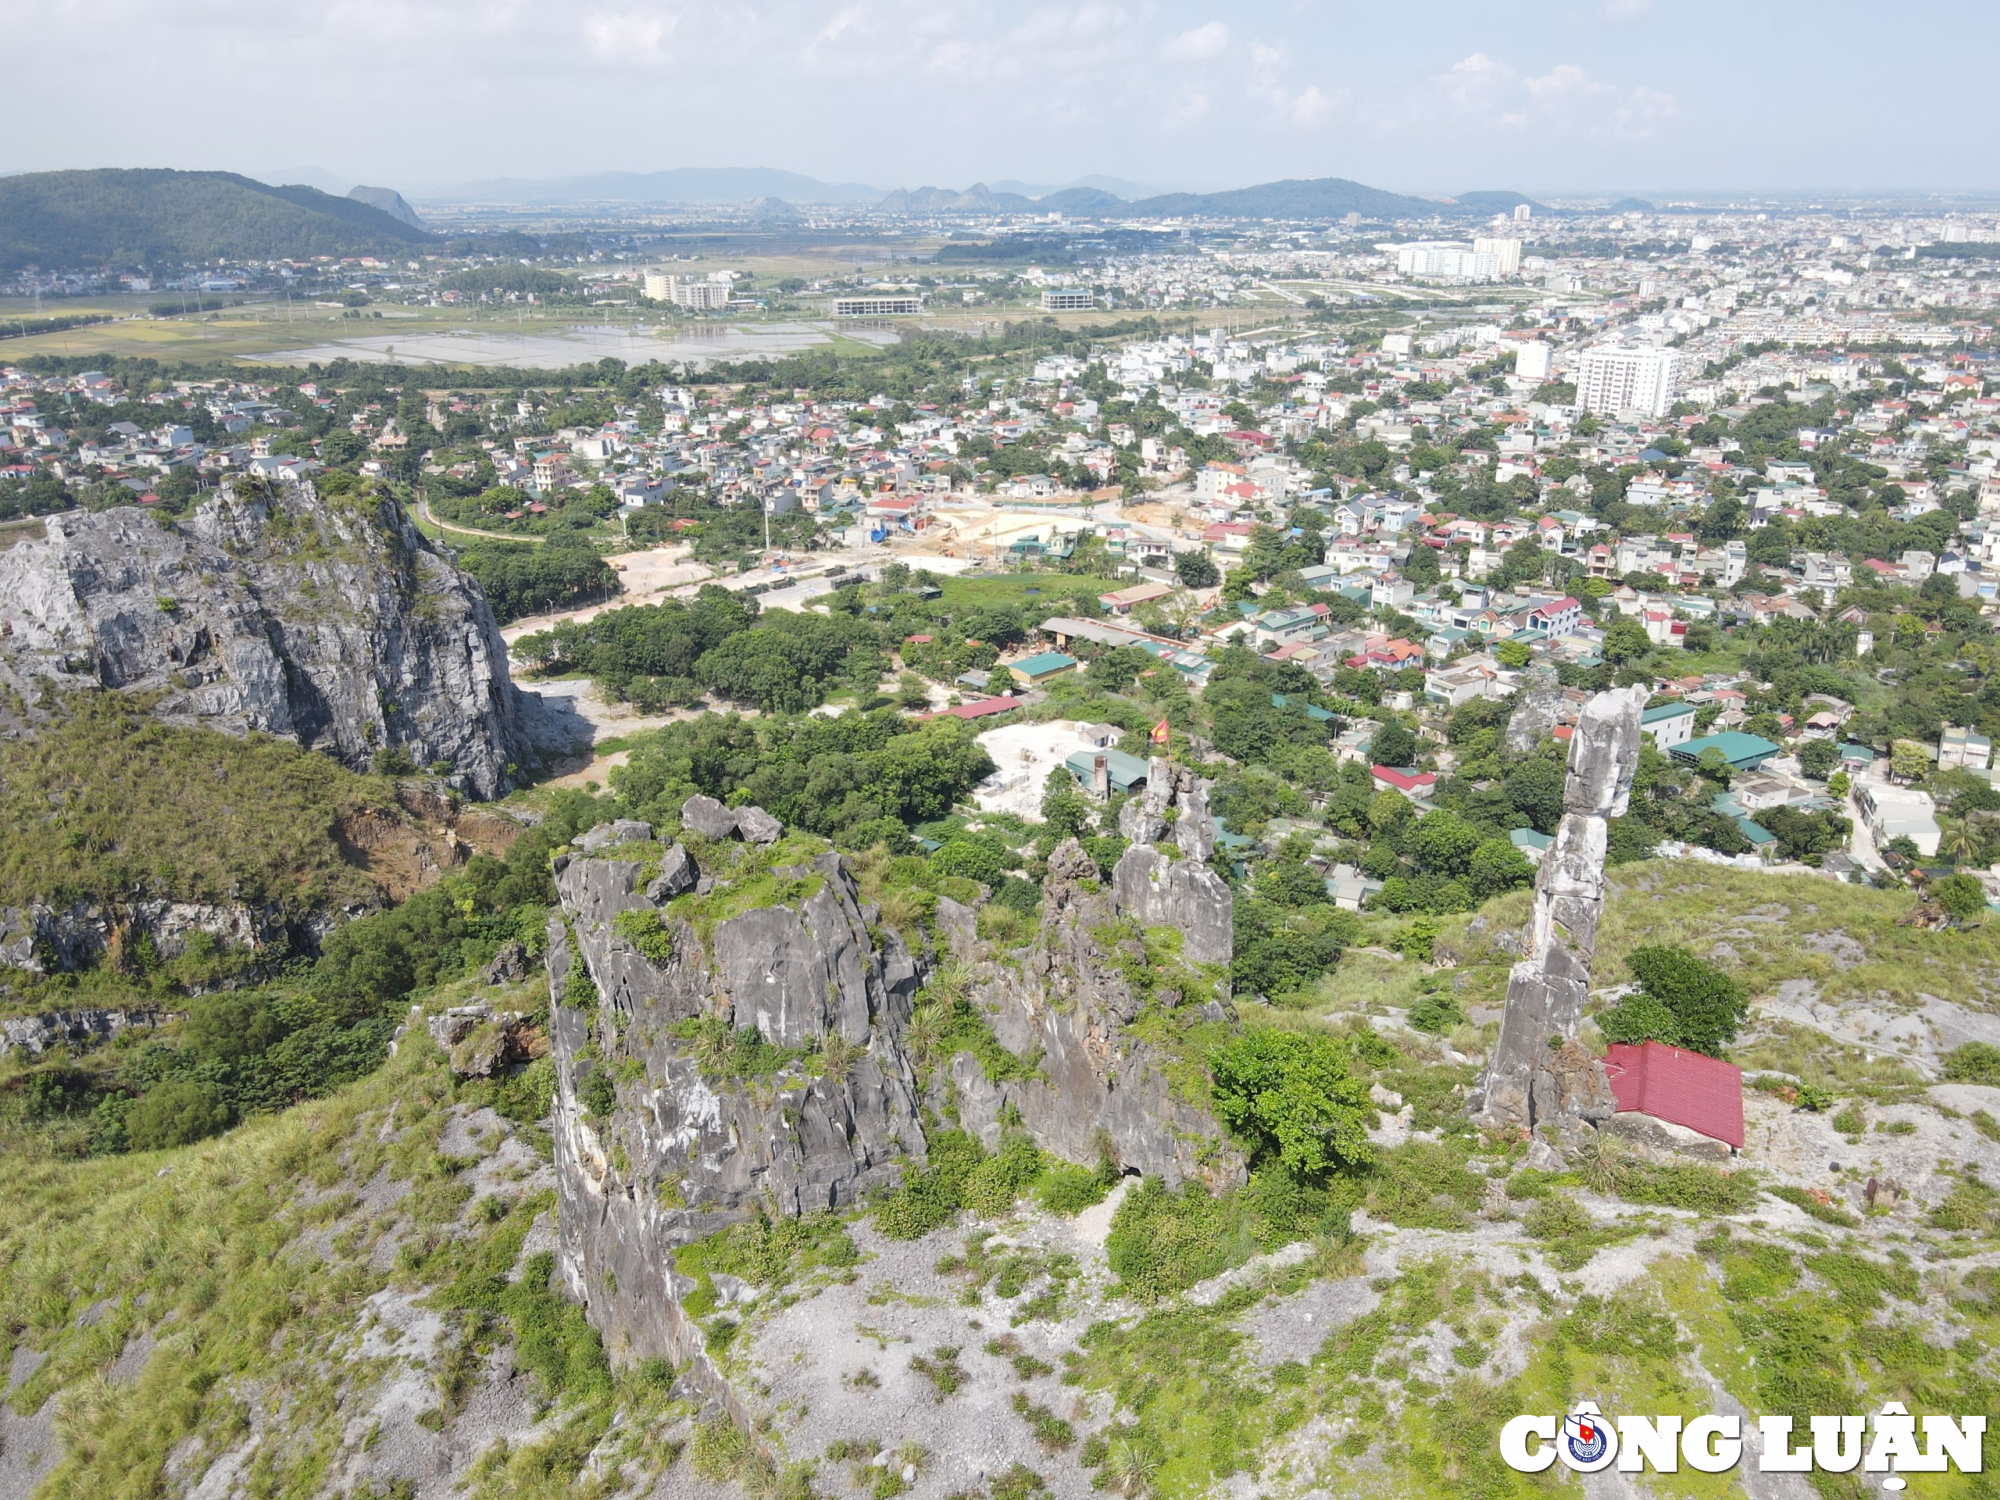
{"x":1506,"y":254}
{"x":1615,"y":378}
{"x":702,"y":293}
{"x":1445,"y":260}
{"x":1531,"y":360}
{"x":1523,"y":212}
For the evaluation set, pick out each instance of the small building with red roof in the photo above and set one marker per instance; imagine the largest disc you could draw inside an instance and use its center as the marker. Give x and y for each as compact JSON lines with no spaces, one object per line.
{"x":1410,"y":784}
{"x":1702,"y":1094}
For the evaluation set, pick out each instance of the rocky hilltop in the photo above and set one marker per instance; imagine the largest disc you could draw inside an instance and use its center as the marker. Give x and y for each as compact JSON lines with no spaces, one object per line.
{"x":329,"y":620}
{"x":740,"y":1032}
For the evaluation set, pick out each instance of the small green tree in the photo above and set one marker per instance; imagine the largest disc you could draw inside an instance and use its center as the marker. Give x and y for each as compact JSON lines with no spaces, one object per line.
{"x":1289,"y":1094}
{"x":175,"y":1113}
{"x":1393,"y":745}
{"x":1197,"y":570}
{"x":1817,"y":758}
{"x":1962,"y":897}
{"x":1513,"y":654}
{"x":1707,"y":1006}
{"x":1908,"y":760}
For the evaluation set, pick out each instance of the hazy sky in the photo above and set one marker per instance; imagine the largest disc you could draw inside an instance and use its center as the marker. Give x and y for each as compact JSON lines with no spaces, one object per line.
{"x":1432,"y":97}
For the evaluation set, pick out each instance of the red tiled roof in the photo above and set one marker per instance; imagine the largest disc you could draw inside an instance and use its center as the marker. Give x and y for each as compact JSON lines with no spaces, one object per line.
{"x":1685,"y":1088}
{"x":981,"y":709}
{"x":1403,"y":781}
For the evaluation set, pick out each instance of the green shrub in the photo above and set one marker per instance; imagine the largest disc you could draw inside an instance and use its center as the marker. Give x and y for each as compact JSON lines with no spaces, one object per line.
{"x":597,"y":1093}
{"x":1066,"y":1188}
{"x":931,"y":1196}
{"x":1973,"y":1062}
{"x":1161,"y":1242}
{"x":1437,"y":1013}
{"x":647,"y":931}
{"x":1687,"y":1185}
{"x":1826,"y":1213}
{"x":1639,"y":1019}
{"x":994,"y":1186}
{"x":176,"y":1113}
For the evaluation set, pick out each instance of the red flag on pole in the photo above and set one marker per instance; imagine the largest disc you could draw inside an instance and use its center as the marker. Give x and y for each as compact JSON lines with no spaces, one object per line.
{"x":1160,"y":732}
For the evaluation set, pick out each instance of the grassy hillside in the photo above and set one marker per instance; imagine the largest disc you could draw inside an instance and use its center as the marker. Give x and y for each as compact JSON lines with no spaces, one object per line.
{"x":338,"y":1297}
{"x":108,"y":803}
{"x":115,"y":217}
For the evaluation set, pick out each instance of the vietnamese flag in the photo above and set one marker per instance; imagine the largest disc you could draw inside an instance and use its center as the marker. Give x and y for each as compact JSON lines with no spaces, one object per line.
{"x":1160,"y":732}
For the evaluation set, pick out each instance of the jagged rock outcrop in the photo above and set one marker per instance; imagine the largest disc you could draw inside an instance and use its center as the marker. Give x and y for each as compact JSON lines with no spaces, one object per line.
{"x":1095,"y":1089}
{"x":1537,"y":710}
{"x":45,"y":939}
{"x":1538,"y":1075}
{"x":741,"y":1039}
{"x":1178,"y":890}
{"x":330,"y":621}
{"x":79,"y":1029}
{"x":479,"y":1041}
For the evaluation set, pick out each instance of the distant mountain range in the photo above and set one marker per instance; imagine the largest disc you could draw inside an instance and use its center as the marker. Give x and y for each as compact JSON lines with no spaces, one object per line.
{"x":1321,"y":198}
{"x":131,"y":218}
{"x":694,"y":185}
{"x":118,"y":218}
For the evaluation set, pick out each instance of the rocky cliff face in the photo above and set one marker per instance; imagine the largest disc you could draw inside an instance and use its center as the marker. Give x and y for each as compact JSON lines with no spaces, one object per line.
{"x":736,"y":1030}
{"x":329,"y":621}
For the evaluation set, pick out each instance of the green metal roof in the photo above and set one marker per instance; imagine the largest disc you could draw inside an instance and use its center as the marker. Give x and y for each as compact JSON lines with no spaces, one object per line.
{"x":1125,"y":771}
{"x":1742,"y":751}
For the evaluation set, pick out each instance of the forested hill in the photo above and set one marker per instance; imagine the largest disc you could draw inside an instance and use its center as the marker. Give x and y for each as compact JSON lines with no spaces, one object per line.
{"x":117,"y":217}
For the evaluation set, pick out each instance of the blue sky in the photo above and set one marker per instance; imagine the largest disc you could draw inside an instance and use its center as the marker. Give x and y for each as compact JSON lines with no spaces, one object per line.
{"x":1578,"y":95}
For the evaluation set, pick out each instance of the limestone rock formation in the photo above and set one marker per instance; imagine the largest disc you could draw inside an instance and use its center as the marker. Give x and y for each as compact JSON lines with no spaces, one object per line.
{"x":1537,"y":710}
{"x":1538,"y":1075}
{"x":743,"y":1038}
{"x":1176,"y":890}
{"x":333,"y":622}
{"x":80,"y":1029}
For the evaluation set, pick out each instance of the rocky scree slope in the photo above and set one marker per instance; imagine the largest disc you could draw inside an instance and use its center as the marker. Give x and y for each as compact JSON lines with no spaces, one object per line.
{"x":329,"y":620}
{"x":737,"y":1031}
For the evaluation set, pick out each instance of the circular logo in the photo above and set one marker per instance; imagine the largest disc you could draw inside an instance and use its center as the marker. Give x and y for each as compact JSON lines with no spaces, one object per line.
{"x":1587,"y":1442}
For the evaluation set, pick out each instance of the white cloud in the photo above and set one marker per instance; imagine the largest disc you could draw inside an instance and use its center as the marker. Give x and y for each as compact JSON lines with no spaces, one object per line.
{"x":1302,"y":109}
{"x":1626,"y":10}
{"x":1198,"y":44}
{"x":1488,"y":92}
{"x":630,"y":36}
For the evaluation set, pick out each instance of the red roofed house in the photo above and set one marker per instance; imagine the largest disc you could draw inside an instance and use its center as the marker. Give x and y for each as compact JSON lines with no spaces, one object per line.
{"x":1556,"y":618}
{"x":1683,"y":1088}
{"x":1417,"y":785}
{"x":980,"y":710}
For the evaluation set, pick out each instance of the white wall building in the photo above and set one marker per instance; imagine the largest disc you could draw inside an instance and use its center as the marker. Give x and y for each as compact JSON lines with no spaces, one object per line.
{"x":1615,"y":378}
{"x":1532,"y":360}
{"x":1506,"y":254}
{"x":1448,"y":260}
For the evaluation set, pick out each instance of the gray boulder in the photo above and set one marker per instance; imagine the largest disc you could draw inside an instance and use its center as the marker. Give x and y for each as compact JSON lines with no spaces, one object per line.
{"x":1139,"y":823}
{"x":707,"y":817}
{"x":676,"y":878}
{"x":617,"y":831}
{"x":758,"y":826}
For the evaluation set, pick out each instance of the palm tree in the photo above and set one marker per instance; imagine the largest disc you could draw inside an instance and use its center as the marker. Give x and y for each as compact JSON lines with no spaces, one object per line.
{"x":1960,"y":841}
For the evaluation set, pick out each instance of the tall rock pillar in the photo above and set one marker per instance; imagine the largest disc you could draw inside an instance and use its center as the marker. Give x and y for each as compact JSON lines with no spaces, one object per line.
{"x":1539,"y":1075}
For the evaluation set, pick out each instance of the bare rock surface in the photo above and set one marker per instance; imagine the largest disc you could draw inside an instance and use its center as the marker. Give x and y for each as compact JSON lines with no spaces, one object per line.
{"x":330,"y":621}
